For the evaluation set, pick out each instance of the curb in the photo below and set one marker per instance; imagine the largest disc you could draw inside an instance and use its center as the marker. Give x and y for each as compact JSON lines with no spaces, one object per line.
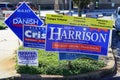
{"x":109,"y":69}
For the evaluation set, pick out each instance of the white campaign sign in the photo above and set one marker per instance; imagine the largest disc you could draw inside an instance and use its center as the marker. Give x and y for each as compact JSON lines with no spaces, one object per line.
{"x":27,"y":57}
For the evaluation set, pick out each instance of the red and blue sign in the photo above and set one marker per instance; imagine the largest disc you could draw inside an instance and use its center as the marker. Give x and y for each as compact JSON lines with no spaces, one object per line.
{"x":72,"y":56}
{"x":34,"y":37}
{"x":23,"y":15}
{"x":79,"y":39}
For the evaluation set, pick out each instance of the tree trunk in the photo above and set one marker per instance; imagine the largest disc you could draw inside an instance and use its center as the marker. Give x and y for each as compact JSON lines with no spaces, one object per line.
{"x":79,"y":9}
{"x":79,"y":12}
{"x":56,"y":5}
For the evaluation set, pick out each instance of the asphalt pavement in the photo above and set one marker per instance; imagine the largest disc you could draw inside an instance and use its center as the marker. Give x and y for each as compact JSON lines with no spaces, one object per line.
{"x":115,"y":45}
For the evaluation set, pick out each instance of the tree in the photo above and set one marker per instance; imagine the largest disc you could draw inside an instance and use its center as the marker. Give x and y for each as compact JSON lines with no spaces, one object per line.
{"x":81,"y":4}
{"x":56,"y":5}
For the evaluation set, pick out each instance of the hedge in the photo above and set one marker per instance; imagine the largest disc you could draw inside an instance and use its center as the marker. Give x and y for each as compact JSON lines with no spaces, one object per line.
{"x":50,"y":65}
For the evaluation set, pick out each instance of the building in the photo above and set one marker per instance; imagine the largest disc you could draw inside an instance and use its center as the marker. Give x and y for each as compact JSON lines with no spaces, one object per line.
{"x":64,"y":4}
{"x":45,"y":4}
{"x":107,"y":4}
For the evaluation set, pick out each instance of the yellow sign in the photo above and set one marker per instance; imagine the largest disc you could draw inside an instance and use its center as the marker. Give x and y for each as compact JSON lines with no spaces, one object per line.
{"x":56,"y":19}
{"x":78,"y":21}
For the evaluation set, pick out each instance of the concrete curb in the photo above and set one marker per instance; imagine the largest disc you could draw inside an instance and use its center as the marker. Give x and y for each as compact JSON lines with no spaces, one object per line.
{"x":109,"y":69}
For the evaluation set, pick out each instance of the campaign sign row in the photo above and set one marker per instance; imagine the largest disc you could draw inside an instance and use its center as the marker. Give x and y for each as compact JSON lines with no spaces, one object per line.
{"x":30,"y":57}
{"x":64,"y":34}
{"x":67,"y":38}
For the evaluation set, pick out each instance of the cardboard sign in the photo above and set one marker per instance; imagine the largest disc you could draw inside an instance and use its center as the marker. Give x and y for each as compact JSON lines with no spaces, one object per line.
{"x":72,"y":56}
{"x":78,"y":21}
{"x":23,"y":15}
{"x":34,"y":36}
{"x":66,"y":38}
{"x":29,"y":58}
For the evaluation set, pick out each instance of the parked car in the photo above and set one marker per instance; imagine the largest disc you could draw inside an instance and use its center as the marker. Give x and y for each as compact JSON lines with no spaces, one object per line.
{"x":31,"y":5}
{"x":7,"y":6}
{"x":116,"y":19}
{"x":94,"y":15}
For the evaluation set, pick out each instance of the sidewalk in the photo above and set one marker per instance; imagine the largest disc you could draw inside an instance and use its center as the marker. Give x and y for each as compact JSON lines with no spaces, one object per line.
{"x":8,"y":45}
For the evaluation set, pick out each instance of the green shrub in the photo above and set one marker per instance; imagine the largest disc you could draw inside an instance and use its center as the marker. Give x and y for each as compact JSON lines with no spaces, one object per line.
{"x":50,"y":65}
{"x":28,"y":70}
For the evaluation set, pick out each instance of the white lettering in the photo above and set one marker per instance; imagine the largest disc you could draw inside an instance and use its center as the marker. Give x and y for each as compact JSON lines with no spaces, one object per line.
{"x":94,"y":37}
{"x":25,"y":21}
{"x":33,"y":34}
{"x":61,"y":33}
{"x":78,"y":34}
{"x":24,"y":10}
{"x":55,"y":33}
{"x":64,"y":34}
{"x":28,"y":34}
{"x":103,"y":37}
{"x":71,"y":34}
{"x":88,"y":36}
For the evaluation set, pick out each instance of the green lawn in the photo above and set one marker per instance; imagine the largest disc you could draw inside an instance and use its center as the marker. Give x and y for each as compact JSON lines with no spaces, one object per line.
{"x":2,"y":25}
{"x":50,"y":65}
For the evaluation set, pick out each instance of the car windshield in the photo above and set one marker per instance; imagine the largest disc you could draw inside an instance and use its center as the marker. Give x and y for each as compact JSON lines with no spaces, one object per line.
{"x":2,"y":5}
{"x":32,"y":6}
{"x":118,"y":12}
{"x":10,"y":5}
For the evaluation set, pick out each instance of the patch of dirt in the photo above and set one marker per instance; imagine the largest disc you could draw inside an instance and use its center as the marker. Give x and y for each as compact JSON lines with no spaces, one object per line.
{"x":7,"y":66}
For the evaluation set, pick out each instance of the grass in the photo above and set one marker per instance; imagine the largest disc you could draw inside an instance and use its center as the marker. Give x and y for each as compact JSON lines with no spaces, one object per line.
{"x":2,"y":25}
{"x":50,"y":65}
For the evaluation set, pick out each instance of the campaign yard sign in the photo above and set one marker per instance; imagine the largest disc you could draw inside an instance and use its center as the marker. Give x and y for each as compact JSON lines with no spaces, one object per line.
{"x":78,"y":21}
{"x":79,"y":39}
{"x":27,"y":57}
{"x":72,"y":56}
{"x":34,"y":36}
{"x":23,"y":15}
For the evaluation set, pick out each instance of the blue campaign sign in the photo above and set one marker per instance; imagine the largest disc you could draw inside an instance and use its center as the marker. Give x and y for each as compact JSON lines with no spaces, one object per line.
{"x":34,"y":37}
{"x":27,"y":57}
{"x":22,"y":15}
{"x":79,"y":39}
{"x":72,"y":56}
